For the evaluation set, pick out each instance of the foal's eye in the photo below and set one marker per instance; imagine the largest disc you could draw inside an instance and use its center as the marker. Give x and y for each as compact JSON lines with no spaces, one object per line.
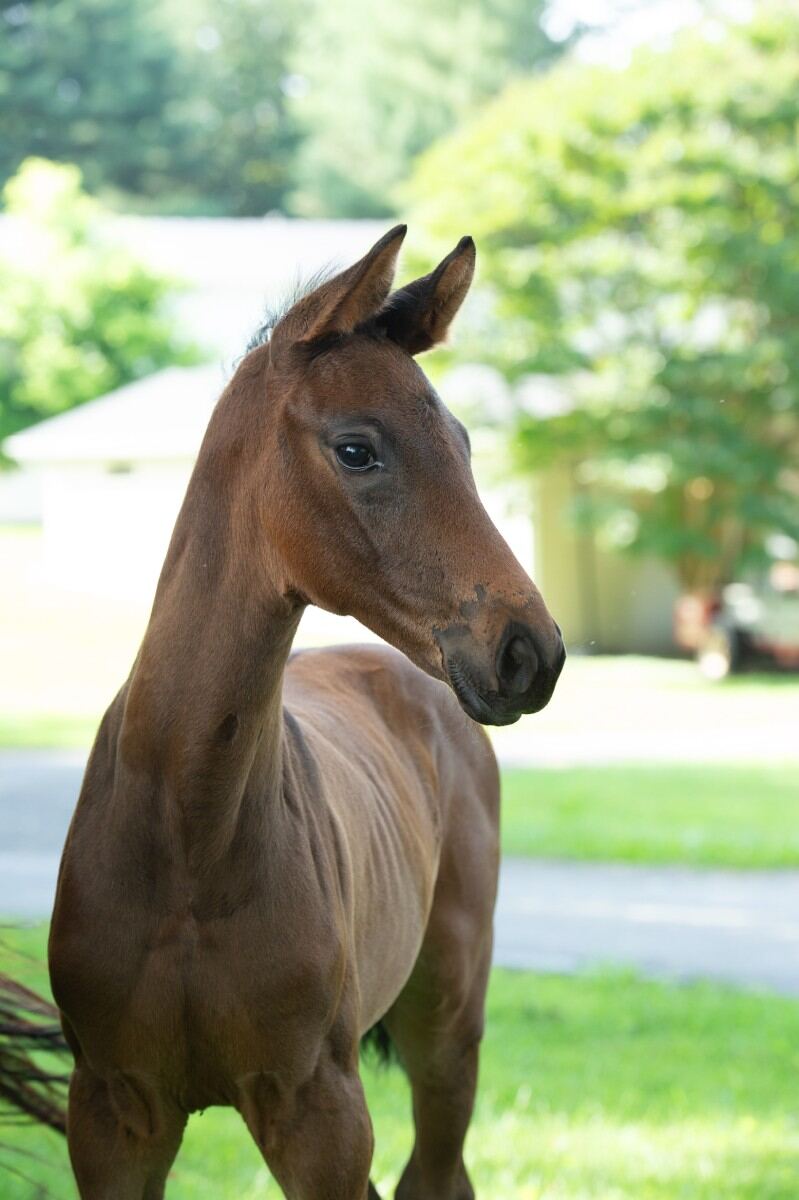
{"x":356,"y":456}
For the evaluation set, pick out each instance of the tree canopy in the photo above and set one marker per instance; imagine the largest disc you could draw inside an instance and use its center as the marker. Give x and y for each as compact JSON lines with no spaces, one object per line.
{"x":381,"y":82}
{"x":242,"y":138}
{"x":173,"y":106}
{"x":638,"y":236}
{"x":94,"y":82}
{"x":79,"y":315}
{"x":245,"y":106}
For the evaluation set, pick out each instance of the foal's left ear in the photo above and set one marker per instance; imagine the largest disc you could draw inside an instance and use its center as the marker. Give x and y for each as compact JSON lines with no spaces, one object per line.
{"x":347,"y":300}
{"x":418,"y":316}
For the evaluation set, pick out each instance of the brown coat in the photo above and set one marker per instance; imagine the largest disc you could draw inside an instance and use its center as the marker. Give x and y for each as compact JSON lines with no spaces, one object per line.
{"x":270,"y":855}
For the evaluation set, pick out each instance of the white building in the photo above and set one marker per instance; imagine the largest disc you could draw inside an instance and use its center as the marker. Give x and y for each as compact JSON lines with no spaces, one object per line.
{"x":229,"y":272}
{"x":112,"y":475}
{"x":122,"y":461}
{"x":230,"y":268}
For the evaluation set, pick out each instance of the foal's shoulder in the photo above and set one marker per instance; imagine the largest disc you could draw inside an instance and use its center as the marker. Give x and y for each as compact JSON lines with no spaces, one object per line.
{"x":355,"y":665}
{"x":387,"y":681}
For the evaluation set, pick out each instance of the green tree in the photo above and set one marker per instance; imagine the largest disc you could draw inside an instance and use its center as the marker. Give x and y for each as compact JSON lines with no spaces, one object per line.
{"x":173,"y":106}
{"x":380,"y":82}
{"x":638,"y":235}
{"x":79,"y":315}
{"x":237,"y":84}
{"x":245,"y":106}
{"x":95,"y":82}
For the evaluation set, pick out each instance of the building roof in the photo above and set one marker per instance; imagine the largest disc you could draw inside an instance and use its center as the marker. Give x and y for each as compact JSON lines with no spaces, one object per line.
{"x":231,"y":268}
{"x":162,"y":417}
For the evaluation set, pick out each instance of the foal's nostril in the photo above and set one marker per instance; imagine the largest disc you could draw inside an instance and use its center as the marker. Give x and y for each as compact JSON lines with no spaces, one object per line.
{"x":517,"y":664}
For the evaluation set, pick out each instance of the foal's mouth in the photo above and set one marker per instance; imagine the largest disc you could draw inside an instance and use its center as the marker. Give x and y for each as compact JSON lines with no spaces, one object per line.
{"x":498,"y":682}
{"x":486,"y":709}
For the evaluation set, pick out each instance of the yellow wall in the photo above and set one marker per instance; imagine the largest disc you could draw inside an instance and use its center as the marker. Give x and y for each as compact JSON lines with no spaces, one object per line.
{"x":603,"y":601}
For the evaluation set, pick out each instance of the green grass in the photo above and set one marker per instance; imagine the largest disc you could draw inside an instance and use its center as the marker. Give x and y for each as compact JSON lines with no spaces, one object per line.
{"x":47,"y":731}
{"x":602,"y":1087}
{"x":742,"y":816}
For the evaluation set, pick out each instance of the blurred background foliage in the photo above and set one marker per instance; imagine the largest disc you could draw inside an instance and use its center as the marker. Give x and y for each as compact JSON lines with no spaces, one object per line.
{"x":79,"y":316}
{"x":420,"y":71}
{"x":239,"y":107}
{"x":638,"y":234}
{"x":636,"y":224}
{"x":169,"y":107}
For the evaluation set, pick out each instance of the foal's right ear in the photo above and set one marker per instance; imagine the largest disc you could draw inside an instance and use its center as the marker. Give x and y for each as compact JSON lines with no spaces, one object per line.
{"x":419,"y":315}
{"x":347,"y":300}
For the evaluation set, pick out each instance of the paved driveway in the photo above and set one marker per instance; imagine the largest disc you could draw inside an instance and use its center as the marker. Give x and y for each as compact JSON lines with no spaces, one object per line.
{"x":740,"y":927}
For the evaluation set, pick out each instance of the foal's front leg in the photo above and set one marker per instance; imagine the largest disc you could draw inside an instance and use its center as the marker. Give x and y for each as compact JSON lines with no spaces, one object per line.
{"x":122,"y":1138}
{"x":317,"y":1143}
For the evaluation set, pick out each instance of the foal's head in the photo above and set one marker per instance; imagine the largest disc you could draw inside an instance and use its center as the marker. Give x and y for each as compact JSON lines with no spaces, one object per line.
{"x":369,"y":499}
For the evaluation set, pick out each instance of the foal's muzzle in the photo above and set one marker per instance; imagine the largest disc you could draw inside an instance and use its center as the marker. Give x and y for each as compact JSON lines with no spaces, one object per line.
{"x":518,"y":675}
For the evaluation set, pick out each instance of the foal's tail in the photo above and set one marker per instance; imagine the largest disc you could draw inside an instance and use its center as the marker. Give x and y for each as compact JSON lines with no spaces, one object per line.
{"x":376,"y":1043}
{"x":33,"y":1059}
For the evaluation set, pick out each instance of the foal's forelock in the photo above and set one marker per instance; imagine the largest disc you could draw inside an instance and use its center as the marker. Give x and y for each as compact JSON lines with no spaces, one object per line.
{"x":275,"y":313}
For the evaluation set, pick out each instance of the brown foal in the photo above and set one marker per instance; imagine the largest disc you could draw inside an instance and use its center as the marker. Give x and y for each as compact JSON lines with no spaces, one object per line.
{"x":269,"y":856}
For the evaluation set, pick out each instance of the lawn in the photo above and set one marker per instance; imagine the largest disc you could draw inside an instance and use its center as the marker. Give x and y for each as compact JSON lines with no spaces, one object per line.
{"x":736,"y":816}
{"x":603,"y":1087}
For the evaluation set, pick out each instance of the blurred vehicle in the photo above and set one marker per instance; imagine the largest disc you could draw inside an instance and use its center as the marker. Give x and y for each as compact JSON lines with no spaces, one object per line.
{"x":743,"y":623}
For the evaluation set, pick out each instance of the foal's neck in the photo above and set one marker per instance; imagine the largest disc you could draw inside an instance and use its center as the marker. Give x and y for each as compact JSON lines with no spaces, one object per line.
{"x":203,"y":716}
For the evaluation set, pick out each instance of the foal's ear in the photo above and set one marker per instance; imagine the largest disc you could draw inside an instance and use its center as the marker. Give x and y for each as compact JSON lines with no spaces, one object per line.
{"x":349,"y":299}
{"x":418,"y":316}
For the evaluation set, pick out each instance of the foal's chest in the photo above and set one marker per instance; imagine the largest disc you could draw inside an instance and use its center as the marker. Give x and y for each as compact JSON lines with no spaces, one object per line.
{"x":199,"y":1003}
